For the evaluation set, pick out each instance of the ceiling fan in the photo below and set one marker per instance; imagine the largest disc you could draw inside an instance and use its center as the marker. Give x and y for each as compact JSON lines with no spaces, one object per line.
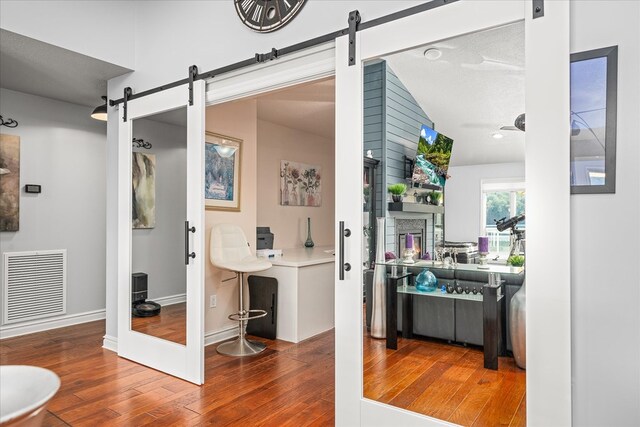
{"x":518,"y":124}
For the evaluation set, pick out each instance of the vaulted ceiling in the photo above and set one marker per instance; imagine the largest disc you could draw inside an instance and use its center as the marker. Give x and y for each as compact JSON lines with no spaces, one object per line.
{"x":472,"y":89}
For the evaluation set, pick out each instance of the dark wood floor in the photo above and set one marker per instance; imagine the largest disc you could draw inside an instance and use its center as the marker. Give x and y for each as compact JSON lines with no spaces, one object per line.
{"x":445,"y":381}
{"x":288,"y":384}
{"x":170,"y":324}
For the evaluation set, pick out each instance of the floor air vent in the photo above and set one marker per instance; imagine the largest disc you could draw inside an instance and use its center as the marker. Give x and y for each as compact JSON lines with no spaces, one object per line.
{"x":34,"y":285}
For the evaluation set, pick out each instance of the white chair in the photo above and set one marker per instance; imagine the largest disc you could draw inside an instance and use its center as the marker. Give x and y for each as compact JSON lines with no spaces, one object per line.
{"x":229,"y":250}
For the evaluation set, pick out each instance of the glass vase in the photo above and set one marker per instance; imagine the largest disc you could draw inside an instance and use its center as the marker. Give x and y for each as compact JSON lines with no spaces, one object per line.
{"x":378,"y":300}
{"x":309,"y":243}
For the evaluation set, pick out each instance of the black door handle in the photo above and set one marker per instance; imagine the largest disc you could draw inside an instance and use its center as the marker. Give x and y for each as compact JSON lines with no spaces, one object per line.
{"x":187,"y":254}
{"x":344,"y":232}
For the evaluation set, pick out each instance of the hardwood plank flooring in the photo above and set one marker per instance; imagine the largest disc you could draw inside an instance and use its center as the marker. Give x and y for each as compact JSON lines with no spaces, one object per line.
{"x":170,"y":324}
{"x":444,"y":381}
{"x":288,"y":384}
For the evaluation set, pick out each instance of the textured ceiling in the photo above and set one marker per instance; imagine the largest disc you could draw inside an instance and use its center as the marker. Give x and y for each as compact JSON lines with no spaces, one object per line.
{"x":307,"y":107}
{"x":473,"y":89}
{"x":31,"y":66}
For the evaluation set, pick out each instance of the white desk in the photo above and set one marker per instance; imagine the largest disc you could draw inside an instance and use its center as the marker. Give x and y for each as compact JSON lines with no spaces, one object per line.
{"x":305,"y":292}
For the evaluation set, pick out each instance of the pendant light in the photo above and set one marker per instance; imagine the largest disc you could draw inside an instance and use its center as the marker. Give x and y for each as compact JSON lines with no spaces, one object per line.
{"x":100,"y":112}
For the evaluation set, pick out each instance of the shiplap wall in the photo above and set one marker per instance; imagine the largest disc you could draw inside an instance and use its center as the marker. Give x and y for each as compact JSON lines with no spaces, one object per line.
{"x":392,"y":121}
{"x":374,"y":126}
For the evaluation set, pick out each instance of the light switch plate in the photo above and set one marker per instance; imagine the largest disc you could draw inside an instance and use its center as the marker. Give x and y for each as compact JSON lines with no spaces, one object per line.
{"x":213,"y":300}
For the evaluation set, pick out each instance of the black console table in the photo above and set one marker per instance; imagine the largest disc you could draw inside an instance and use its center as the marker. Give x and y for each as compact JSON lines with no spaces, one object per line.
{"x":493,"y":314}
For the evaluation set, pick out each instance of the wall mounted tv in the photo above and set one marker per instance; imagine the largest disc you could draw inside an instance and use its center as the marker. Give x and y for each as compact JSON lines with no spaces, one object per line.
{"x":432,"y":158}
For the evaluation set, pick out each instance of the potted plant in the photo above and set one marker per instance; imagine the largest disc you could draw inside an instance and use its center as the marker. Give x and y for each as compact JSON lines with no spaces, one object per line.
{"x":435,"y":198}
{"x":397,"y":191}
{"x":515,"y":260}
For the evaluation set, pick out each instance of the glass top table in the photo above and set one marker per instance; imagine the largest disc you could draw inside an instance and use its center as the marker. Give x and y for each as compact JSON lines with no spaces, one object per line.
{"x":407,"y":289}
{"x":492,"y":300}
{"x":491,"y":268}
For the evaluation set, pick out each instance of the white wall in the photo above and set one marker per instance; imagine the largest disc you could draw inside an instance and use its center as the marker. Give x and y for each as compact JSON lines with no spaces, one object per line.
{"x":605,"y":231}
{"x":289,"y":223}
{"x":100,"y":29}
{"x":159,"y":251}
{"x":172,"y":35}
{"x":63,"y":149}
{"x":463,"y":197}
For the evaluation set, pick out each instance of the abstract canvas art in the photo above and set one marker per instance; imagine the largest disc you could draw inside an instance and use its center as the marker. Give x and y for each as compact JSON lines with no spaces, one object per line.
{"x":300,"y":184}
{"x":9,"y":182}
{"x":143,"y":190}
{"x":222,"y":172}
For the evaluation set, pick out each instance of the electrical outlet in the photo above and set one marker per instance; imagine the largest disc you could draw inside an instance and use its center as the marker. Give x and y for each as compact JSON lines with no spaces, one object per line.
{"x":213,"y":301}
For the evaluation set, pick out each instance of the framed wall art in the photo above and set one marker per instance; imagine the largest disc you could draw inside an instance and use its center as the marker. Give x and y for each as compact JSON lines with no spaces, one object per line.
{"x":300,"y":184}
{"x":9,"y":182}
{"x":143,"y":189}
{"x":222,"y":172}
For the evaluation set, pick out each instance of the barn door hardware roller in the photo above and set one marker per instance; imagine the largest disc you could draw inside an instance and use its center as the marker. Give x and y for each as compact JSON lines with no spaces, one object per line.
{"x":354,"y":21}
{"x":127,"y":94}
{"x":538,"y":9}
{"x":264,"y":57}
{"x":193,"y":74}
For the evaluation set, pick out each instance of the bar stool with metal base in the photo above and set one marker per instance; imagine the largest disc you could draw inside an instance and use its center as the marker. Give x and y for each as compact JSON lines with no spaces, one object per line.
{"x":229,"y":250}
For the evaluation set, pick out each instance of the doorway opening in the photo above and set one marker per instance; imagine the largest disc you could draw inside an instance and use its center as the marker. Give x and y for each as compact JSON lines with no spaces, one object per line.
{"x":285,"y":147}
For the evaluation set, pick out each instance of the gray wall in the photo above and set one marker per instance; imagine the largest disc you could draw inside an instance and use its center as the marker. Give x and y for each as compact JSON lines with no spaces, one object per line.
{"x":392,"y":121}
{"x":374,"y":102}
{"x":403,"y":119}
{"x":159,"y":251}
{"x":63,"y":149}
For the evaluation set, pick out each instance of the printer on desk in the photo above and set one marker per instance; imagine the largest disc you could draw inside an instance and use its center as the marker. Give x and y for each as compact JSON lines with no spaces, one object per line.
{"x":264,"y":238}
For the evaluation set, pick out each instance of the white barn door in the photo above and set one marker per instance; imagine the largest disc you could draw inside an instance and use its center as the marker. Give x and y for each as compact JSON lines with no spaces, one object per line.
{"x":547,"y":107}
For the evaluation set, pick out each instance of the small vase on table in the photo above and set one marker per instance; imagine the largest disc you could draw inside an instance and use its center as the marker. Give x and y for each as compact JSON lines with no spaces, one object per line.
{"x":309,"y":243}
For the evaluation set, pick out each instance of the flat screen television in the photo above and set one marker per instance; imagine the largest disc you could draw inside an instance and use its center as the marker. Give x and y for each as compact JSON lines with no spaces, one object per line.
{"x":432,"y":158}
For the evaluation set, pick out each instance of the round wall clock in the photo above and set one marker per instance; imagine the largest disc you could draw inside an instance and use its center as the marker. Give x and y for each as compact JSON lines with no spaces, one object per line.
{"x":265,"y":16}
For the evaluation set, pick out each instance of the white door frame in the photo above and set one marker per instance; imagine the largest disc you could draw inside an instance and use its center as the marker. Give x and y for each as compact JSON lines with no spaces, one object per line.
{"x":548,"y":267}
{"x":305,"y":66}
{"x":184,"y":361}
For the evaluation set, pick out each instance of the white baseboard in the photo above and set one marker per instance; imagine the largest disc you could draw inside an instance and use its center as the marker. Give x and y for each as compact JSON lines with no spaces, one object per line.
{"x":110,"y":343}
{"x":48,"y":323}
{"x":170,"y":300}
{"x":221,"y":335}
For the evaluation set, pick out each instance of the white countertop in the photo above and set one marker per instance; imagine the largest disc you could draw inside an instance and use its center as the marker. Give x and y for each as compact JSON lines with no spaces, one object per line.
{"x":304,"y":257}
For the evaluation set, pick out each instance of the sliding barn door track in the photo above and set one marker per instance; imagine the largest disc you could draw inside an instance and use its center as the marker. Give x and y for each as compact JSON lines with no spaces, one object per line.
{"x":355,"y":25}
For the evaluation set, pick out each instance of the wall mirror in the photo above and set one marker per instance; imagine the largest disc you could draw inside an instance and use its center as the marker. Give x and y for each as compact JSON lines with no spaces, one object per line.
{"x":444,"y":176}
{"x":159,"y":239}
{"x":594,"y":91}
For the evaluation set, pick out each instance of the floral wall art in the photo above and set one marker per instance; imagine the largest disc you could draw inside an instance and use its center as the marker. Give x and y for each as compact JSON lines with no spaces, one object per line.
{"x":300,"y":184}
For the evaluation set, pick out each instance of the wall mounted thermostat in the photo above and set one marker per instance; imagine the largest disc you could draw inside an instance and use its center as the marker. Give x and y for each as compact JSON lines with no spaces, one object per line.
{"x":32,"y":188}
